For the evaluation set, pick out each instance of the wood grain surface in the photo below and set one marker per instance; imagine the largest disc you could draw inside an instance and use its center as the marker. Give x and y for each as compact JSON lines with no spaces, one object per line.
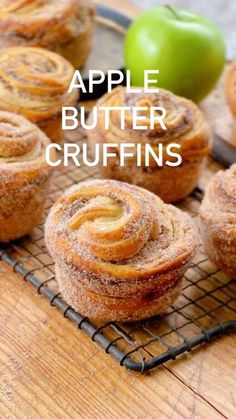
{"x":51,"y":370}
{"x":48,"y":369}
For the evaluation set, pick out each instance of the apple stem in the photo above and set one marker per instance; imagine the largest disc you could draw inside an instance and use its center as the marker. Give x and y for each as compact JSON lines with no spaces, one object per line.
{"x":172,"y":10}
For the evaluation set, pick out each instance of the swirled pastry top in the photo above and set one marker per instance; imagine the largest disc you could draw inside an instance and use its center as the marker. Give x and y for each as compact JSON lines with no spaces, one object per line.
{"x":22,"y":146}
{"x":111,"y":229}
{"x":34,"y":82}
{"x":184,"y":121}
{"x":230,"y":86}
{"x":44,"y":23}
{"x":219,"y":204}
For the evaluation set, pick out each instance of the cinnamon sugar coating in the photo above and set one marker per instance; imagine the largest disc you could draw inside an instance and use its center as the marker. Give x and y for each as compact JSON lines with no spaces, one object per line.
{"x":64,"y":26}
{"x":34,"y":83}
{"x":24,"y":175}
{"x":218,"y":220}
{"x":186,"y":126}
{"x":120,"y":252}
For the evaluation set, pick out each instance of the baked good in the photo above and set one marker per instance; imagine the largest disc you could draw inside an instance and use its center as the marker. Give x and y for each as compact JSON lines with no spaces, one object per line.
{"x":218,"y":220}
{"x":185,"y":126}
{"x":24,"y":175}
{"x":64,"y":26}
{"x":34,"y":82}
{"x":230,"y":86}
{"x":120,"y":252}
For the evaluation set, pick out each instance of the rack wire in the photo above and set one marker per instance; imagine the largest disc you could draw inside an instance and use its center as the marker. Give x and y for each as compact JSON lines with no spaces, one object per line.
{"x":205,"y":309}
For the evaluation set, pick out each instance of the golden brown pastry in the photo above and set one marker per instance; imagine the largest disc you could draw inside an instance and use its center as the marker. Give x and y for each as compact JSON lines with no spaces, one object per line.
{"x":24,"y":175}
{"x":185,"y":126}
{"x":230,"y":86}
{"x":34,"y":82}
{"x":120,"y":252}
{"x":218,"y":220}
{"x":64,"y":26}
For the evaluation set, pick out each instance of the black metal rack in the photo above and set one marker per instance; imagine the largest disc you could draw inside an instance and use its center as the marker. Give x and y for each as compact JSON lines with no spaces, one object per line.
{"x":205,"y":310}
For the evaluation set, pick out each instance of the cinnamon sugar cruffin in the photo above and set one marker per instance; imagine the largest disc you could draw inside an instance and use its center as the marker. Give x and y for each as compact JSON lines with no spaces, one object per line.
{"x":64,"y":26}
{"x":24,"y":175}
{"x":218,"y":220}
{"x":185,"y":125}
{"x":120,"y":252}
{"x":34,"y":83}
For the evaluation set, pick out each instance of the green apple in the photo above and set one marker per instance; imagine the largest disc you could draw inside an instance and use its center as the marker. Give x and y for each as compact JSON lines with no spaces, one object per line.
{"x":188,"y":50}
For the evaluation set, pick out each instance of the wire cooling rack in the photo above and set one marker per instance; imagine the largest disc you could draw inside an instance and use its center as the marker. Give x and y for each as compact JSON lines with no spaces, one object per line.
{"x":205,"y":309}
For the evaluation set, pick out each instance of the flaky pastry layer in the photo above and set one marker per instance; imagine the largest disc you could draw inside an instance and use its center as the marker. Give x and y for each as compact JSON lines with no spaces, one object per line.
{"x":24,"y":175}
{"x":34,"y":82}
{"x":185,"y":126}
{"x":218,"y":220}
{"x":112,"y":242}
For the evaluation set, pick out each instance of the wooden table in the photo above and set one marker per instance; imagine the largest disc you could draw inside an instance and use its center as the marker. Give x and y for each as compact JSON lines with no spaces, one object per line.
{"x":48,"y":369}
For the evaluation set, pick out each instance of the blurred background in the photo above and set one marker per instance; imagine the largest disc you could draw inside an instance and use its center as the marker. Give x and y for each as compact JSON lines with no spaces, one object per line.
{"x":222,"y":12}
